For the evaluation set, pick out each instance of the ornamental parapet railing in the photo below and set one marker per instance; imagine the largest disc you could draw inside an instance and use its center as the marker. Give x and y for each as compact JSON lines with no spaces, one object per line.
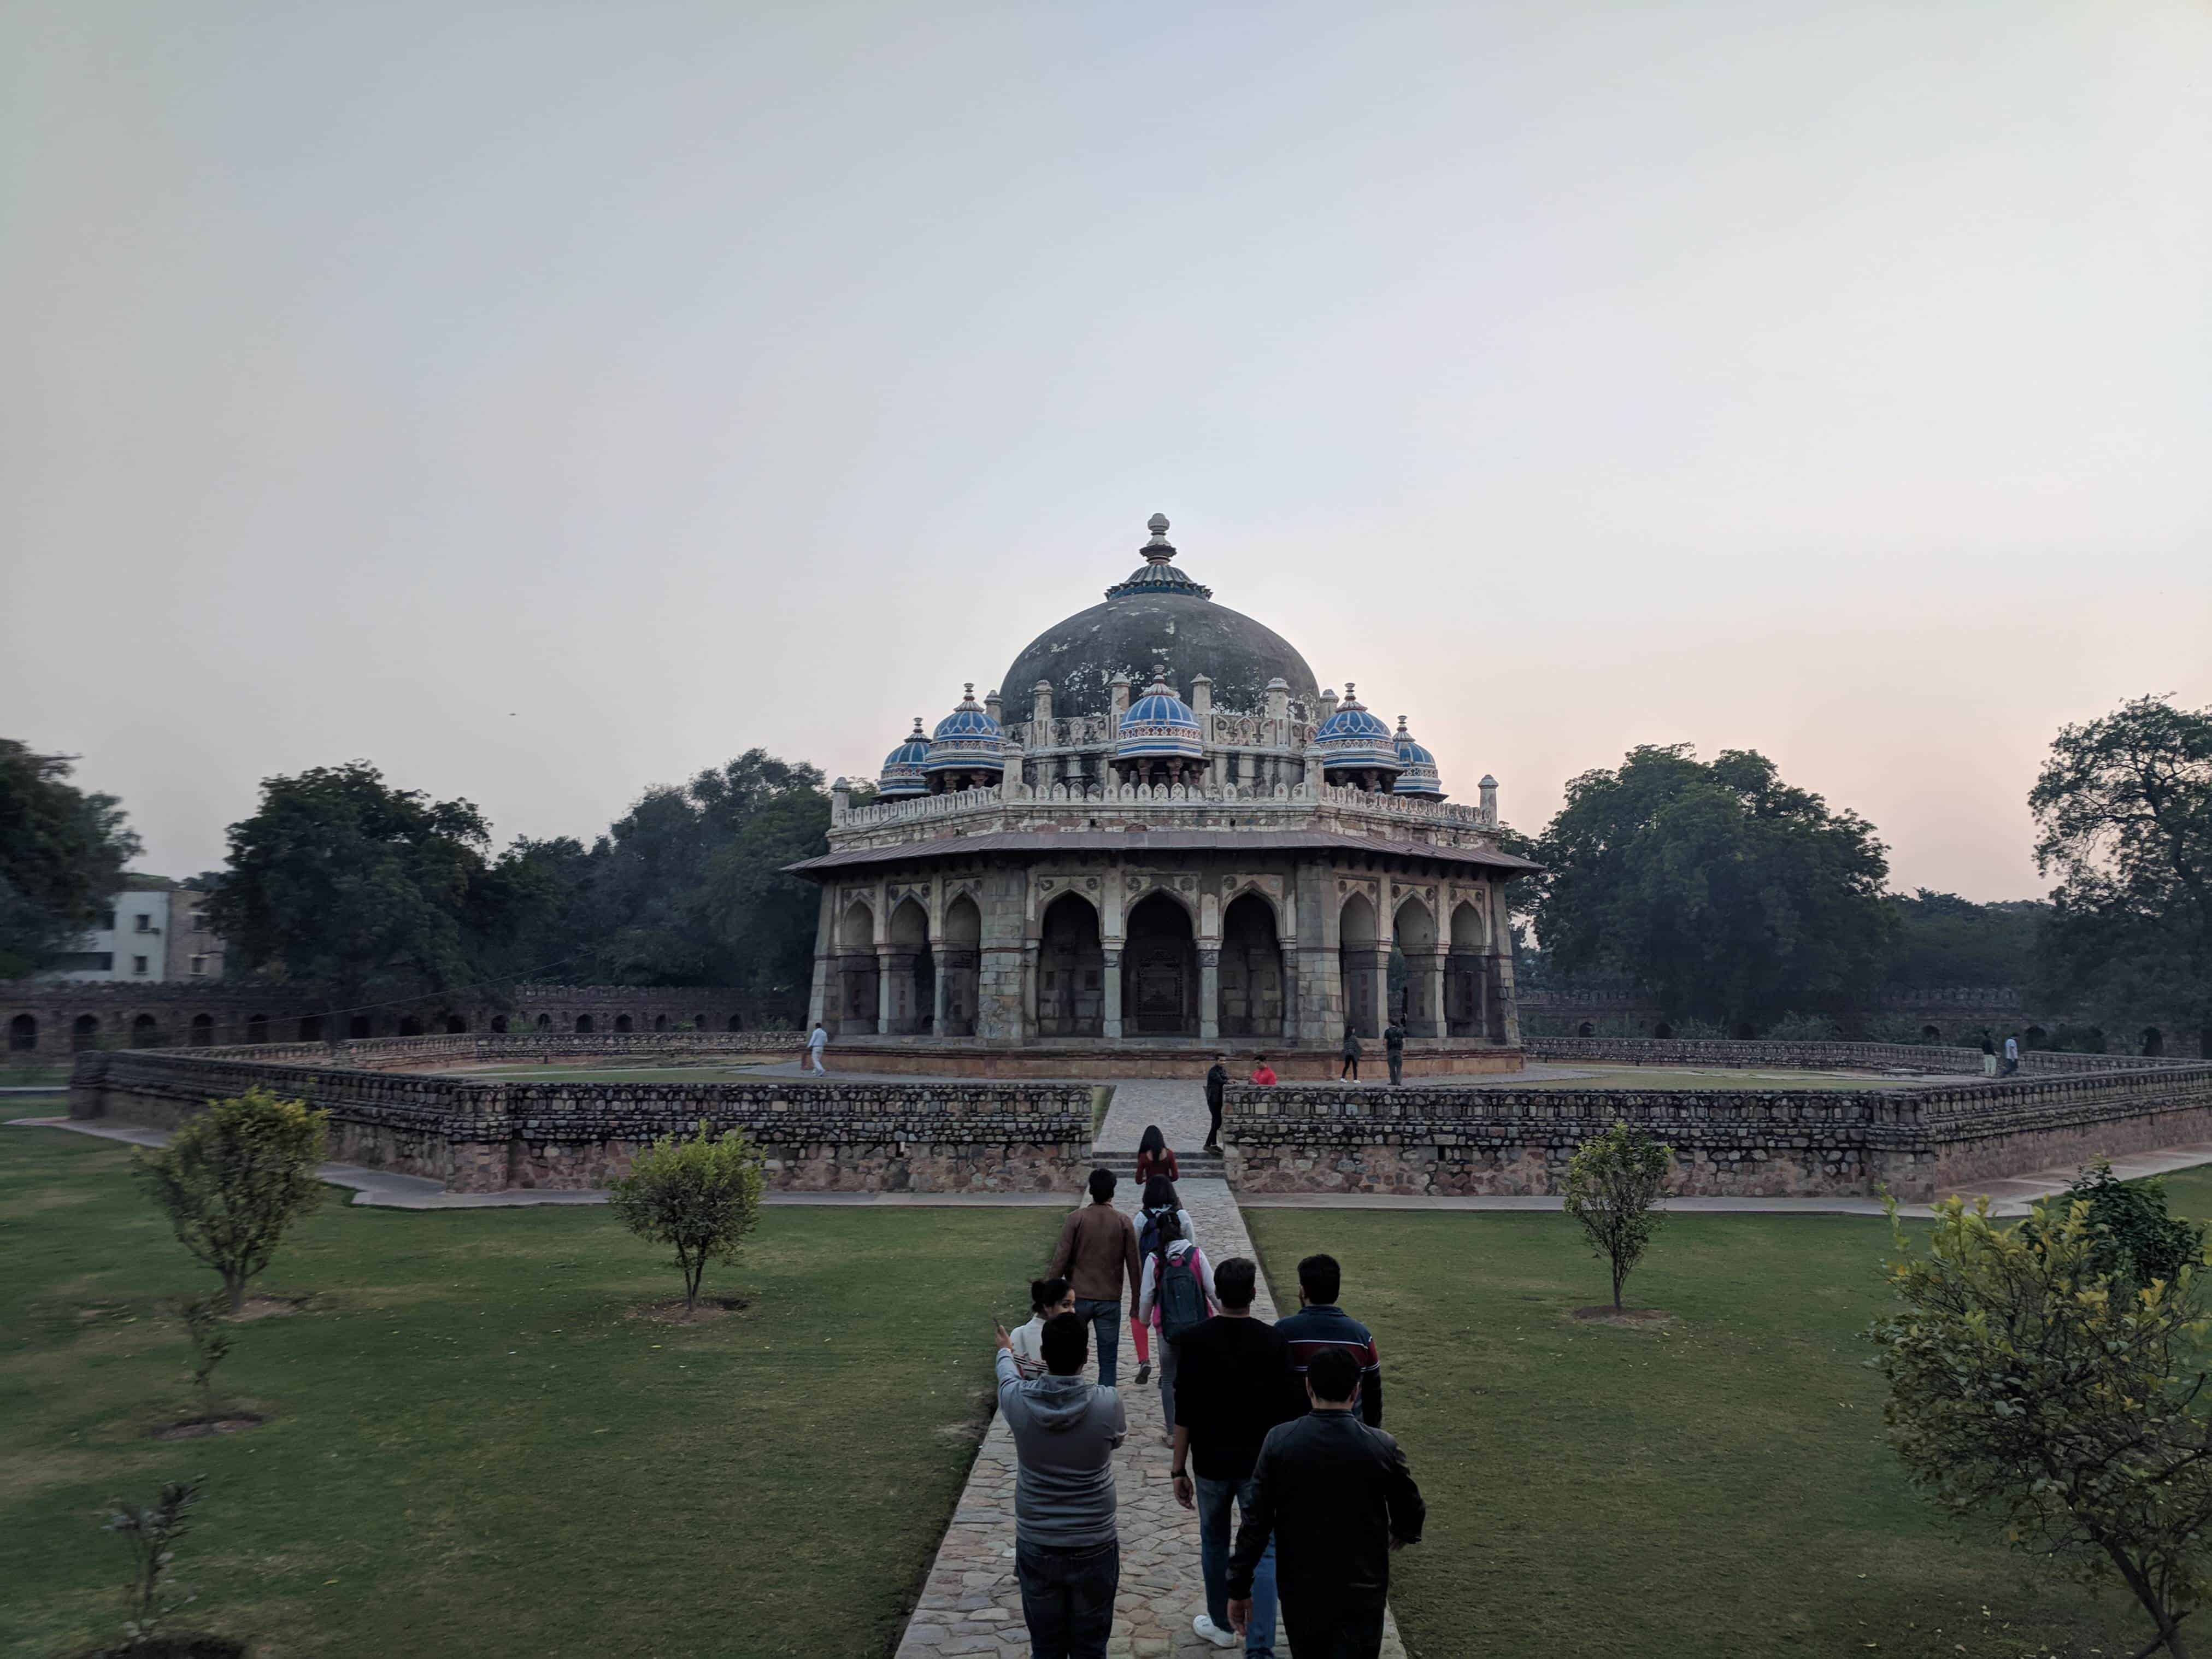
{"x":1358,"y":803}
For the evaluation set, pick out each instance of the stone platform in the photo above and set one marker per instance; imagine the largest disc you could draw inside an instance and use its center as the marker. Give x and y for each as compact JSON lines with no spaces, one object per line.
{"x":1161,"y":1058}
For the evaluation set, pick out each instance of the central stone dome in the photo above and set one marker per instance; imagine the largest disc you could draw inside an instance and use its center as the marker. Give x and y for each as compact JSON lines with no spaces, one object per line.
{"x":1158,"y":616}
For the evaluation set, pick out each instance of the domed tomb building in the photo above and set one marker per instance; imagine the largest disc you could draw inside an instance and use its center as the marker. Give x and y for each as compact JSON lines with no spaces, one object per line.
{"x":1159,"y":837}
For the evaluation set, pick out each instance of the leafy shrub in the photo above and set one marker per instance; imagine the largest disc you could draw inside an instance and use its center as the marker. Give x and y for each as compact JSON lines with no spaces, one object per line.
{"x":152,"y":1531}
{"x":2134,"y":1241}
{"x":701,"y":1196}
{"x":1613,"y":1183}
{"x":236,"y":1178}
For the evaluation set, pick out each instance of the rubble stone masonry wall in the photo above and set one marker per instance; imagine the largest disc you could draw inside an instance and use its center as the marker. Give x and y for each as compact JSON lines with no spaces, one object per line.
{"x":1914,"y":1142}
{"x":488,"y":1136}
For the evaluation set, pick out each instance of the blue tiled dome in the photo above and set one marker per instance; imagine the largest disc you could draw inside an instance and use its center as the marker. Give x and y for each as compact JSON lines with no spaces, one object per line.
{"x":1419,"y":778}
{"x":1159,"y":726}
{"x":902,"y":773}
{"x":1354,"y":739}
{"x":966,"y":741}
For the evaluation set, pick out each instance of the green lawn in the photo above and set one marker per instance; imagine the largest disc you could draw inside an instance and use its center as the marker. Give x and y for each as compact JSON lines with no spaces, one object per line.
{"x":473,"y":1447}
{"x":1718,"y":1488}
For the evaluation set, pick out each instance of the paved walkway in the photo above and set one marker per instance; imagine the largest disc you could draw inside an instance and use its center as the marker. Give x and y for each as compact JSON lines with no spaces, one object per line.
{"x":971,"y":1603}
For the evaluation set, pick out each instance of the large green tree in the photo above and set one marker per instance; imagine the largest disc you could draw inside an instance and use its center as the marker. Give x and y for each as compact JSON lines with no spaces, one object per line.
{"x":1726,"y":894}
{"x":2123,"y":815}
{"x":1943,"y":940}
{"x":62,"y":853}
{"x":342,"y":880}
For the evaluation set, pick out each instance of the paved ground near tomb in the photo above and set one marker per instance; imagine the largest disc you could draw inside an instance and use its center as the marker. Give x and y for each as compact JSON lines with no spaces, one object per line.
{"x":971,"y":1603}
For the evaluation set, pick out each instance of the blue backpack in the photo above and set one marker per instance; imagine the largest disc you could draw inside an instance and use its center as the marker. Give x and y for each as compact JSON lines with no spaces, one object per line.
{"x":1148,"y":1230}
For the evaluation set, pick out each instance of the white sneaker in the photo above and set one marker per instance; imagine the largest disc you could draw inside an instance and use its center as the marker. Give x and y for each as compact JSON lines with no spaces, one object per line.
{"x":1212,"y":1632}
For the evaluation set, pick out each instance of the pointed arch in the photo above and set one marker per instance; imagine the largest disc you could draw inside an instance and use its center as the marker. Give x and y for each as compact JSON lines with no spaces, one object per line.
{"x":1362,"y":965}
{"x":1251,"y":977}
{"x":1071,"y":970}
{"x":963,"y":964}
{"x":1159,"y":966}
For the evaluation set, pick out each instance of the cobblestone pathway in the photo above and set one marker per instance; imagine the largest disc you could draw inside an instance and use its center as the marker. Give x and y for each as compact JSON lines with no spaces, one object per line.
{"x":971,"y":1604}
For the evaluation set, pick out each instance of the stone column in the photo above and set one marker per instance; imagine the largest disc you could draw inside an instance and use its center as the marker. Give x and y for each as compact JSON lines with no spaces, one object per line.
{"x":1292,"y":993}
{"x":937,"y":959}
{"x":1209,"y":995}
{"x":1111,"y":983}
{"x":1439,"y":1022}
{"x":1029,"y":949}
{"x":883,"y":990}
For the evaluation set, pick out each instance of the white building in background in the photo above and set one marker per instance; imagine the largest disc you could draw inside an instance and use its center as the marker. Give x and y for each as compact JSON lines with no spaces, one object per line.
{"x":147,"y":935}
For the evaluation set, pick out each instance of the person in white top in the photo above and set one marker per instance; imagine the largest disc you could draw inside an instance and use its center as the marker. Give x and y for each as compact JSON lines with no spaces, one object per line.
{"x":815,"y":1044}
{"x":2012,"y":1055}
{"x":1178,"y":1267}
{"x":1047,"y":1297}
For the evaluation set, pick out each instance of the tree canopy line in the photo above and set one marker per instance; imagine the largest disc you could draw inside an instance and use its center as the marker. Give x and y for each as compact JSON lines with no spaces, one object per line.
{"x":1725,"y":894}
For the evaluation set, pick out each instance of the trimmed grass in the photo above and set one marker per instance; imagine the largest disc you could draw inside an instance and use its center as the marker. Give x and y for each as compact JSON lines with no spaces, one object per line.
{"x":1719,"y":1486}
{"x":474,"y":1445}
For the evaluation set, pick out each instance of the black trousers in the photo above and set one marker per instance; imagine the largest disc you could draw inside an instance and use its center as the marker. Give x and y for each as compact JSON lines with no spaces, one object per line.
{"x":1397,"y":1066}
{"x":1213,"y":1107}
{"x":1067,"y":1599}
{"x":1350,"y":1068}
{"x":1331,"y":1630}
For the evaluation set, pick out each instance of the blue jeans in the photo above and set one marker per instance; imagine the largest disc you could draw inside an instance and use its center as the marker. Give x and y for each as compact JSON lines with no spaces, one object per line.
{"x":1067,"y":1599}
{"x":1213,"y":1548}
{"x":1105,"y":1319}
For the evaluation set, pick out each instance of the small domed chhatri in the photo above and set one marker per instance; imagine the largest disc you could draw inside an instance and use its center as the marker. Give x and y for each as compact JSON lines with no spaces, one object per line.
{"x":1416,"y":769}
{"x":1169,"y":840}
{"x":903,"y":774}
{"x":1160,"y":739}
{"x":966,"y":750}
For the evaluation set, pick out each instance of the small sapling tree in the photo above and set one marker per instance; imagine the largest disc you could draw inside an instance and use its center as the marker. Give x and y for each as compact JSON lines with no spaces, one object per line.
{"x":701,"y":1195}
{"x":1614,"y":1182}
{"x":236,"y":1178}
{"x":2031,"y":1382}
{"x":211,"y":1340}
{"x":152,"y":1531}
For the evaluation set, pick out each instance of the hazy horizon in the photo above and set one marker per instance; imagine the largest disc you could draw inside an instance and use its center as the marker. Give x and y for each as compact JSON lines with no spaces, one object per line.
{"x":544,"y":405}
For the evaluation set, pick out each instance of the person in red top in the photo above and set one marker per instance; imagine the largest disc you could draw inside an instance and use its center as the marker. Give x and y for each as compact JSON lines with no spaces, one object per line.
{"x":1263,"y":1074}
{"x":1155,"y":1156}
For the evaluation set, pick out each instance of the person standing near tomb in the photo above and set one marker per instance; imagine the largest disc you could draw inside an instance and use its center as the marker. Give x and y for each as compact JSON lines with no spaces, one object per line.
{"x":1320,"y":1325}
{"x":2012,"y":1054}
{"x":1067,"y":1551}
{"x":1989,"y":1056}
{"x":1155,"y":1156}
{"x":1217,"y":1082}
{"x":1351,"y":1052}
{"x":1263,"y":1075}
{"x":1097,"y":1254}
{"x":1394,"y":1051}
{"x":817,"y":1040}
{"x":1335,"y":1497}
{"x":1233,"y":1385}
{"x":1048,"y":1297}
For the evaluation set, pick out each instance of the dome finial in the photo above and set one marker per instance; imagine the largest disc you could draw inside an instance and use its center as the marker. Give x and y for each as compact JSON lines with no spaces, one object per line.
{"x":1160,"y":549}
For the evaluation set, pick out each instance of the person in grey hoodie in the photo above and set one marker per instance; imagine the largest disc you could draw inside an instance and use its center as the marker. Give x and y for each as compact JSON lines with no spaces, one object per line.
{"x":1068,"y":1554}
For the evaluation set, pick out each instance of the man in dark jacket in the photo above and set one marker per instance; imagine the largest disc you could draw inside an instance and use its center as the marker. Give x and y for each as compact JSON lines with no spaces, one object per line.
{"x":1393,"y":1050}
{"x":1336,"y":1497}
{"x":1320,"y":1325}
{"x":1217,"y":1079}
{"x":1233,"y":1385}
{"x":1067,"y":1554}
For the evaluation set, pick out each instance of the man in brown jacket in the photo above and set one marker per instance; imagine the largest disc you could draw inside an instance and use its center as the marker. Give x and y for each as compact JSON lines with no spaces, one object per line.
{"x":1097,"y":1249}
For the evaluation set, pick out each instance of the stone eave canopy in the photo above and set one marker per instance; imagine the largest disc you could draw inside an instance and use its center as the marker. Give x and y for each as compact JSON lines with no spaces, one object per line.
{"x":1034,"y":843}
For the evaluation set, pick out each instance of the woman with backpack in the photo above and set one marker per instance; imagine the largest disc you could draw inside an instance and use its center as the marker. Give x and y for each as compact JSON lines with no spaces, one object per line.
{"x":1177,"y":1298}
{"x":1047,"y":1297}
{"x":1154,"y":1157}
{"x":1157,"y":1199}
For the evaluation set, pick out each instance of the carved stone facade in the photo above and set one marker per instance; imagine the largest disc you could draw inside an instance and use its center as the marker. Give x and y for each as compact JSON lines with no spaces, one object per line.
{"x":1150,"y":874}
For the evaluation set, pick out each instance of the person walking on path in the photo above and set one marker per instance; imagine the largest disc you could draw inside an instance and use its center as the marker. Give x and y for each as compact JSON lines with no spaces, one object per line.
{"x":1176,"y":1297}
{"x":1155,"y":1156}
{"x":1156,"y":1200}
{"x":1047,"y":1297}
{"x":1336,"y":1499}
{"x":1989,"y":1056}
{"x":1217,"y":1080}
{"x":817,"y":1040}
{"x":1319,"y":1327}
{"x":1067,"y":1554}
{"x":1097,"y":1254}
{"x":2012,"y":1054}
{"x":1393,"y":1050}
{"x":1233,"y":1385}
{"x":1263,"y":1075}
{"x":1351,"y":1052}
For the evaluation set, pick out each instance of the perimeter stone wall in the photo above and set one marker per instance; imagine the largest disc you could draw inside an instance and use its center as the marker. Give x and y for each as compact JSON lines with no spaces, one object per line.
{"x":1760,"y":1052}
{"x":819,"y":1136}
{"x":1749,"y":1143}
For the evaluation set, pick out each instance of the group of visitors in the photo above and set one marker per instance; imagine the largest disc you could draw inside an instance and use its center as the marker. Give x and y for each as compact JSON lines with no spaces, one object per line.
{"x":1281,"y":1424}
{"x":1990,"y":1055}
{"x":1393,"y":1054}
